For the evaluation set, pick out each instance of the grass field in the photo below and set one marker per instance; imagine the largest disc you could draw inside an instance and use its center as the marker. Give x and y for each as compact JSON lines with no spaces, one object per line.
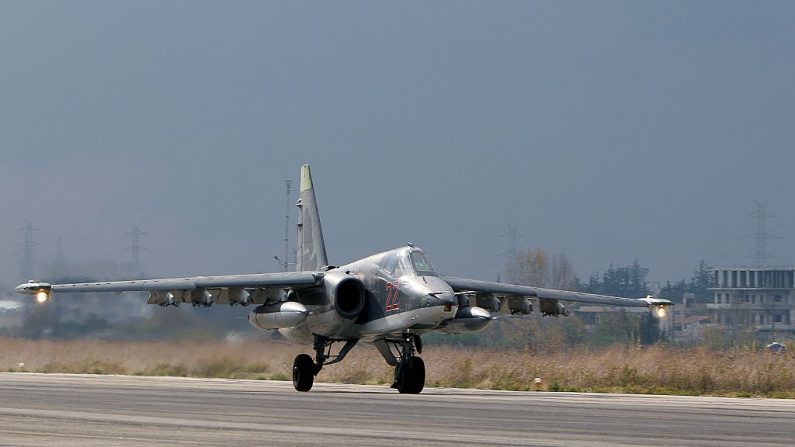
{"x":654,"y":370}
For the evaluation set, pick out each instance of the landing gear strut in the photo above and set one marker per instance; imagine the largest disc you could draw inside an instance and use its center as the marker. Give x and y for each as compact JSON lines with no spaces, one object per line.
{"x":409,"y":369}
{"x":305,"y":369}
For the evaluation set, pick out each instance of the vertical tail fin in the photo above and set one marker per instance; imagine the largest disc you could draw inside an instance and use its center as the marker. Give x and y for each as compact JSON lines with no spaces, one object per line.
{"x":311,"y":247}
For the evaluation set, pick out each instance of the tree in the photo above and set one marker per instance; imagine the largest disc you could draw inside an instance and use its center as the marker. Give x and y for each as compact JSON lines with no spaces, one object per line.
{"x":620,"y":281}
{"x":675,"y":291}
{"x":700,"y":282}
{"x":561,"y":273}
{"x":535,"y":267}
{"x":698,"y":285}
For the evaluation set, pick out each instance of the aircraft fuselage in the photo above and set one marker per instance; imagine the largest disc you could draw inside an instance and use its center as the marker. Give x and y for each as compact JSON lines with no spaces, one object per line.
{"x":398,"y":298}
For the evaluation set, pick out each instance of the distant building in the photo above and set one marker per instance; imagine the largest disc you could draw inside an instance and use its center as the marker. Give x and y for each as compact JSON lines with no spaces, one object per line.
{"x":759,"y":299}
{"x":690,"y":317}
{"x":592,"y":315}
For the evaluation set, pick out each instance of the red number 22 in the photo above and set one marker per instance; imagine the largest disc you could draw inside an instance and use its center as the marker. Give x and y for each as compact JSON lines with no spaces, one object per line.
{"x":392,"y":294}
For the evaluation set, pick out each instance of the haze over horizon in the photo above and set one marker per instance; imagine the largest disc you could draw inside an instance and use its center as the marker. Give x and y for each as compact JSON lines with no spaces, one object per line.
{"x":607,"y":131}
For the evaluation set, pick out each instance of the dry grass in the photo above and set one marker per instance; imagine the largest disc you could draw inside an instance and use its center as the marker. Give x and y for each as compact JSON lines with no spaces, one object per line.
{"x":656,"y":370}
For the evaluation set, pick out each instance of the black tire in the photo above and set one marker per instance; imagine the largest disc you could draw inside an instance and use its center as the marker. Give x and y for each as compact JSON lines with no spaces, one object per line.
{"x":303,"y":372}
{"x":411,"y":377}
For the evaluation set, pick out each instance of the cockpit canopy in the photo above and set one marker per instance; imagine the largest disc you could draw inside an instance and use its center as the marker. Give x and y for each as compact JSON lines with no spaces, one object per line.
{"x":421,"y":263}
{"x":409,"y":261}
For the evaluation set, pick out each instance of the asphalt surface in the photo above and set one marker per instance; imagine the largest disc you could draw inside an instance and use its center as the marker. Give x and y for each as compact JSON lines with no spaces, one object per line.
{"x":84,"y":410}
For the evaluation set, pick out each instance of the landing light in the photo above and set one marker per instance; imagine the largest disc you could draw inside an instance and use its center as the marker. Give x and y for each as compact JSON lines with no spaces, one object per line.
{"x":42,"y":297}
{"x":661,"y":312}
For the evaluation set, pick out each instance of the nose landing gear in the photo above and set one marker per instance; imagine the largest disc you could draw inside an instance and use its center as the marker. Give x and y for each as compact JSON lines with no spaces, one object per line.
{"x":410,"y":376}
{"x":409,"y":369}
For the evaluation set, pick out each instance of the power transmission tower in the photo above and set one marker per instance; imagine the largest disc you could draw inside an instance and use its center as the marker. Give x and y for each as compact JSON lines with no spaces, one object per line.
{"x":27,"y":261}
{"x":511,"y":255}
{"x":135,"y":248}
{"x":762,"y":236}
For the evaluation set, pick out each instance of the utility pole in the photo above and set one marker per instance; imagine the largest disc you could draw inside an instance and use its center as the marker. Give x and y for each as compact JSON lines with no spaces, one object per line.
{"x":287,"y":226}
{"x":773,"y":322}
{"x":284,"y":262}
{"x":776,"y":298}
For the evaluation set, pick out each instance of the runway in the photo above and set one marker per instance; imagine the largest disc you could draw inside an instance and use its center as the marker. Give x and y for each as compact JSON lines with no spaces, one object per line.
{"x":85,"y":410}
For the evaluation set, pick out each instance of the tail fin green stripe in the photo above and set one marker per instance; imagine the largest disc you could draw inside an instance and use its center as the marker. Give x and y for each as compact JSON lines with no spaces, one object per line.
{"x":311,"y":254}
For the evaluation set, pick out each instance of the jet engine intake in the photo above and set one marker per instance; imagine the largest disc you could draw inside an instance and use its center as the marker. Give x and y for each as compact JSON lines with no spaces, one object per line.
{"x":551,"y":307}
{"x":347,"y":294}
{"x":278,"y":315}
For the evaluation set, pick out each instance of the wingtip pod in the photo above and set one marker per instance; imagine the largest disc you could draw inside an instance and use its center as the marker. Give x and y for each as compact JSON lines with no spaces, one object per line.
{"x":41,"y":290}
{"x":32,"y":287}
{"x":652,"y":301}
{"x":659,"y":306}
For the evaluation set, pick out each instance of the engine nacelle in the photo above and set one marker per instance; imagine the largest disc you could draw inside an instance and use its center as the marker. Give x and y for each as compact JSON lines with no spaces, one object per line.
{"x":467,"y":319}
{"x":347,"y":294}
{"x":551,"y":307}
{"x":278,"y":315}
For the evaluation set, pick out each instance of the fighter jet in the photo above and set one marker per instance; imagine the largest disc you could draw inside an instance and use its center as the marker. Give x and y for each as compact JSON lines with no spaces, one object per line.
{"x":389,"y":299}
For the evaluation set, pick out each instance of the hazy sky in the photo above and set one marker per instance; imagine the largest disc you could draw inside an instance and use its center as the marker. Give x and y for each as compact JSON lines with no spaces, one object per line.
{"x":608,"y":131}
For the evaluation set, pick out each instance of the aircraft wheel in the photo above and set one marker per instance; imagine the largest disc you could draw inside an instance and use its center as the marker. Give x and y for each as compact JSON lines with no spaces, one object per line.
{"x":303,"y":372}
{"x":411,"y":377}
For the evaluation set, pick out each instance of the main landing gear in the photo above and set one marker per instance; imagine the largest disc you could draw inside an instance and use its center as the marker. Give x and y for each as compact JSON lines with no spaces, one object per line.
{"x":398,"y":352}
{"x":409,"y":369}
{"x":305,"y":369}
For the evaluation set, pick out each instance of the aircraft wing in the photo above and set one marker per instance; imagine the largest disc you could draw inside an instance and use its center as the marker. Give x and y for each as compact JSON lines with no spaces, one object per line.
{"x":498,"y":288}
{"x":228,"y":289}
